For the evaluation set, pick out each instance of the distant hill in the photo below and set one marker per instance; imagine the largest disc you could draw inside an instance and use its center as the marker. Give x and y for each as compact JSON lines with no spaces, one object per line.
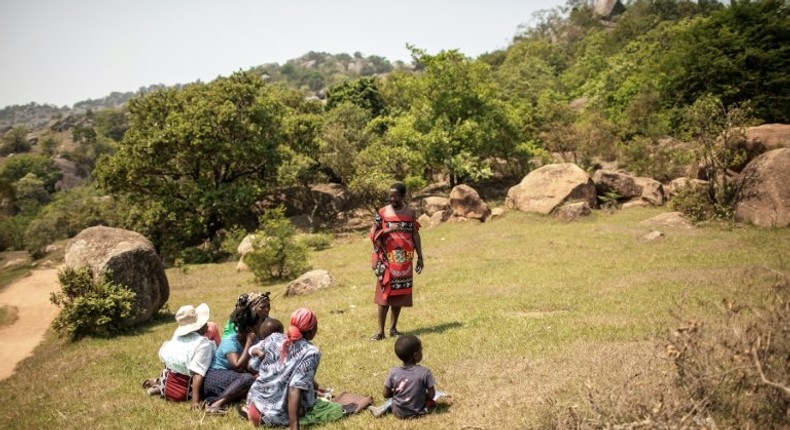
{"x":312,"y":73}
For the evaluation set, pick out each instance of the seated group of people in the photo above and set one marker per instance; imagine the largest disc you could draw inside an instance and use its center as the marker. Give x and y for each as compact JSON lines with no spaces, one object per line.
{"x":272,"y":368}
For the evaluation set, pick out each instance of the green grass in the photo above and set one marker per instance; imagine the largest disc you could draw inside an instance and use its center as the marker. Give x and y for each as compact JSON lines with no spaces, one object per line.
{"x":8,"y":276}
{"x":514,"y":314}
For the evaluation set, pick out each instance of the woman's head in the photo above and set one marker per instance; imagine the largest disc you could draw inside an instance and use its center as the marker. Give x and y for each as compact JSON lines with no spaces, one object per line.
{"x":397,"y":194}
{"x":304,"y":325}
{"x":250,"y":310}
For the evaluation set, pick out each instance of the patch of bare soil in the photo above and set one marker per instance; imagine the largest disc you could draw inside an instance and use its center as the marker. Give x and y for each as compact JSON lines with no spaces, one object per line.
{"x":30,"y":296}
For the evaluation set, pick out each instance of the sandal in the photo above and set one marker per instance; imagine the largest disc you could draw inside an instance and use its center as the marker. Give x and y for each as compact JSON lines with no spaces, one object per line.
{"x":394,"y":332}
{"x":148,"y":383}
{"x":215,"y":410}
{"x":377,"y":337}
{"x":242,"y":409}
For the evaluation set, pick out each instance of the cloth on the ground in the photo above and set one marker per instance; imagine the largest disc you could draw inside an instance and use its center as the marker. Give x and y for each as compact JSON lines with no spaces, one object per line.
{"x":323,"y":411}
{"x":353,"y":403}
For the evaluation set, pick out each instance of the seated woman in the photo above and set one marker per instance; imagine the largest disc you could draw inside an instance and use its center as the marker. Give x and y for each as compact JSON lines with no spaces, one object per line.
{"x":228,"y":380}
{"x":260,"y":304}
{"x":187,"y":356}
{"x":284,"y":393}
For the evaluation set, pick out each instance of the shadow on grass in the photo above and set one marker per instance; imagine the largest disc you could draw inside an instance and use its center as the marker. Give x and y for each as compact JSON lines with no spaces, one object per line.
{"x":441,"y":328}
{"x":162,"y":317}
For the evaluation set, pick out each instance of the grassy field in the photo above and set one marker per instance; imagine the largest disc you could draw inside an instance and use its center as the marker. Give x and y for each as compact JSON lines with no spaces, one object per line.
{"x":515,"y":315}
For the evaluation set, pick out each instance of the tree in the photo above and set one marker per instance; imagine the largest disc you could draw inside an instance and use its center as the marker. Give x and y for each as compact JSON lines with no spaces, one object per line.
{"x":15,"y":141}
{"x":361,"y":92}
{"x":277,"y":254}
{"x":195,"y":159}
{"x":738,"y":53}
{"x":462,"y":122}
{"x":41,"y":166}
{"x":715,"y":129}
{"x":342,"y":137}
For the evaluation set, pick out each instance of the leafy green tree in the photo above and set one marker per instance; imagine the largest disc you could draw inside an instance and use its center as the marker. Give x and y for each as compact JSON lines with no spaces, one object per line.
{"x":195,"y":159}
{"x":15,"y":141}
{"x":41,"y":166}
{"x":343,"y":135}
{"x":111,"y":123}
{"x":31,"y":194}
{"x":738,"y":53}
{"x":715,"y":129}
{"x":462,"y":122}
{"x":362,"y":92}
{"x":389,"y":158}
{"x":70,"y":212}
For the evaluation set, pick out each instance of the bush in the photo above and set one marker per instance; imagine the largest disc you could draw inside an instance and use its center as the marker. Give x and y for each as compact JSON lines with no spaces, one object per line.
{"x":316,"y":241}
{"x":277,"y":255}
{"x":231,"y":241}
{"x":730,"y":370}
{"x":694,"y":203}
{"x":194,"y":255}
{"x":90,"y":307}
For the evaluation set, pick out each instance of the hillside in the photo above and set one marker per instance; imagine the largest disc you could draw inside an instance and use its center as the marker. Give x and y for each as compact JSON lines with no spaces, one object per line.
{"x":311,"y":73}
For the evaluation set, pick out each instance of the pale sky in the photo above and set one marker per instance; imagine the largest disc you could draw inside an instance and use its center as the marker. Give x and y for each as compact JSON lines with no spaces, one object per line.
{"x":61,"y":52}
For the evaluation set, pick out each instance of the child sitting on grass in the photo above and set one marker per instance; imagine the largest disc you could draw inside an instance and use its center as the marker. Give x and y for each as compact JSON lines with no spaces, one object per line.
{"x":410,"y":387}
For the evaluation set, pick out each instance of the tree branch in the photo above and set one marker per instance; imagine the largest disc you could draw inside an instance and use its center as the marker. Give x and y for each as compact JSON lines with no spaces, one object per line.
{"x":759,"y":367}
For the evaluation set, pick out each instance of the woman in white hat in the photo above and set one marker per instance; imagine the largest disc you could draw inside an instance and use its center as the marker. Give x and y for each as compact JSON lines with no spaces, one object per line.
{"x":187,"y":356}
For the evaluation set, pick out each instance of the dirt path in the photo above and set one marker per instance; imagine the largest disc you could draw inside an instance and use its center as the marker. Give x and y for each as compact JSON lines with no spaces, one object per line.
{"x":30,"y":295}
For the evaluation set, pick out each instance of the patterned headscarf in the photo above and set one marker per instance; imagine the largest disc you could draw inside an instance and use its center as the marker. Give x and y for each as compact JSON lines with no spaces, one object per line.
{"x":302,"y":320}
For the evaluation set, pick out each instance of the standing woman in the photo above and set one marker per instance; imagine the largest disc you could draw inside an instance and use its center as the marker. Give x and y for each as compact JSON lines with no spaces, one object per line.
{"x":396,"y":237}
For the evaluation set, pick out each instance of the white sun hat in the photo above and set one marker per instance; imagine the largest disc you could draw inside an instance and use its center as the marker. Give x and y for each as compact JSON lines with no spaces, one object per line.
{"x":191,"y":319}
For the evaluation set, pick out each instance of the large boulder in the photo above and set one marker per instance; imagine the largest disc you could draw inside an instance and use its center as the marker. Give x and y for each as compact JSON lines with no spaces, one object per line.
{"x":433,"y":204}
{"x":247,"y":245}
{"x":764,"y":196}
{"x":761,"y":139}
{"x":572,"y":211}
{"x":334,"y":197}
{"x":620,"y":183}
{"x":546,"y":188}
{"x":309,"y":282}
{"x":652,"y":190}
{"x":608,"y":9}
{"x":131,"y":260}
{"x":466,"y":203}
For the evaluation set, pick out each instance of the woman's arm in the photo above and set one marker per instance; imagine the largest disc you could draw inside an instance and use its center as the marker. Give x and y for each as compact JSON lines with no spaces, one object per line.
{"x":197,"y":388}
{"x":239,"y":362}
{"x":418,"y":248}
{"x":293,"y":408}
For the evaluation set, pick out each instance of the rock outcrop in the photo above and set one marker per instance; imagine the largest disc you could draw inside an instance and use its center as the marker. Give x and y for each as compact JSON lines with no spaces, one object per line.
{"x":545,"y":189}
{"x":764,"y":195}
{"x":129,"y":258}
{"x":309,"y":282}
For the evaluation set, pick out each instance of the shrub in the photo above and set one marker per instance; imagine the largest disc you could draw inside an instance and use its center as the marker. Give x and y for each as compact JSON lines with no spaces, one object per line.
{"x":316,"y":241}
{"x":693,"y":202}
{"x":90,"y":307}
{"x":231,"y":240}
{"x":194,"y":255}
{"x":730,"y":370}
{"x":277,"y":255}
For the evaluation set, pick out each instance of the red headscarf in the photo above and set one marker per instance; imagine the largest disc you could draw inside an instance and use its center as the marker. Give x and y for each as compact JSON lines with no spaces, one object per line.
{"x":302,"y":320}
